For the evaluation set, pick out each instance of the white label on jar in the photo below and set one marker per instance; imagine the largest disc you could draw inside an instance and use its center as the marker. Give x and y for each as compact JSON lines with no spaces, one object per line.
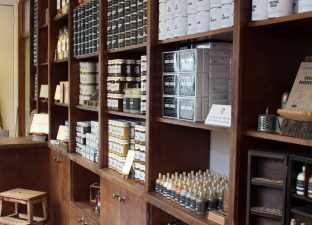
{"x":191,"y":24}
{"x":278,"y":8}
{"x":191,"y":7}
{"x":180,"y":8}
{"x":215,"y":18}
{"x":304,"y":6}
{"x":215,"y":3}
{"x":170,"y":28}
{"x":170,"y":9}
{"x":162,"y":11}
{"x":162,"y":30}
{"x":203,"y":5}
{"x":117,"y":69}
{"x":227,"y":15}
{"x":259,"y":10}
{"x":180,"y":26}
{"x":202,"y":24}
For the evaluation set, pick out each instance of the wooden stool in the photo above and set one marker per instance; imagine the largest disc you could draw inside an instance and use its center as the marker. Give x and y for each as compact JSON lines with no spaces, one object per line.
{"x":26,"y":197}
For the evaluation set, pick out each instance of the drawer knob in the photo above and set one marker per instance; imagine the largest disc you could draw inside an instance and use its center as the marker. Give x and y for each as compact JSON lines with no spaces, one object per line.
{"x":122,"y":199}
{"x":116,"y":196}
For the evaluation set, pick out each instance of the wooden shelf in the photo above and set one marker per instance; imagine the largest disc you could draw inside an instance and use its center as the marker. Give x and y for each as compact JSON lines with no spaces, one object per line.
{"x":134,"y":48}
{"x":220,"y":34}
{"x":61,"y":104}
{"x":303,"y":211}
{"x":61,"y":17}
{"x":93,"y":55}
{"x":129,"y":184}
{"x":282,"y":20}
{"x":197,"y":125}
{"x":89,"y":165}
{"x":265,"y":214}
{"x":88,"y":208}
{"x":176,"y":210}
{"x":44,"y":64}
{"x":61,"y":61}
{"x":129,"y":115}
{"x":88,"y":108}
{"x":277,"y":137}
{"x":300,"y":197}
{"x":267,"y":184}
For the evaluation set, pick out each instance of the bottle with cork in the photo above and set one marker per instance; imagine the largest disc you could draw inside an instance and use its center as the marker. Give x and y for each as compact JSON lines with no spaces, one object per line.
{"x":300,"y":184}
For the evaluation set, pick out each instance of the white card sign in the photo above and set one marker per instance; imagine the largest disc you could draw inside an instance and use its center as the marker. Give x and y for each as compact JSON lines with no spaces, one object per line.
{"x":57,"y":96}
{"x":44,"y":91}
{"x":40,"y":124}
{"x":300,"y":98}
{"x":61,"y":133}
{"x":219,"y":115}
{"x":129,"y":161}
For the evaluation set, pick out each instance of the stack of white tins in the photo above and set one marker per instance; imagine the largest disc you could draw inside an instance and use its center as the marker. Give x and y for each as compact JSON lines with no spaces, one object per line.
{"x":170,"y":18}
{"x":203,"y":16}
{"x":191,"y":16}
{"x":215,"y":14}
{"x":304,"y":6}
{"x":278,"y":8}
{"x":162,"y":19}
{"x":227,"y":13}
{"x":180,"y":20}
{"x":259,"y":10}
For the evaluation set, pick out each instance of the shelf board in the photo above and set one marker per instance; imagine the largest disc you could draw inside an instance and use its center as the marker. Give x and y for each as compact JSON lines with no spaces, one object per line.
{"x":61,"y":17}
{"x":44,"y":64}
{"x":134,"y":48}
{"x":277,"y":137}
{"x":300,"y":197}
{"x":129,"y":184}
{"x":61,"y":61}
{"x":44,"y":26}
{"x":176,"y":210}
{"x":61,"y":104}
{"x":88,"y":208}
{"x":265,"y":214}
{"x":303,"y":211}
{"x":221,"y":34}
{"x":88,"y":108}
{"x":283,"y":20}
{"x":197,"y":125}
{"x":267,"y":184}
{"x":89,"y":165}
{"x":129,"y":115}
{"x":93,"y":55}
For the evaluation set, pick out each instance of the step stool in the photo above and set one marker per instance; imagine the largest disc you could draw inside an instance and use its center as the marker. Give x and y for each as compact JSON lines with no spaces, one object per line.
{"x":25,"y":197}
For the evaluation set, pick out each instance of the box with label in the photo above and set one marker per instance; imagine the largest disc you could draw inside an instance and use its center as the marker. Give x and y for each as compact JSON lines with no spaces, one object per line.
{"x":220,"y":60}
{"x":192,"y":85}
{"x":170,"y":62}
{"x":170,"y":84}
{"x":193,"y":60}
{"x":170,"y":107}
{"x":218,"y":86}
{"x":193,"y":109}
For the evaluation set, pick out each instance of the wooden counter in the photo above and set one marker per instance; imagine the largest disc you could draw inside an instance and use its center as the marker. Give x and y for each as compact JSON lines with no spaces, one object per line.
{"x":20,"y":142}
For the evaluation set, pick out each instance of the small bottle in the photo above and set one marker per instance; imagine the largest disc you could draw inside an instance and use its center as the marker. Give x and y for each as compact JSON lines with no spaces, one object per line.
{"x":165,"y":190}
{"x":169,"y":189}
{"x":200,"y":204}
{"x":210,"y":202}
{"x":220,"y":199}
{"x":161,"y":184}
{"x":158,"y":183}
{"x":293,"y":222}
{"x":193,"y":201}
{"x":173,"y":190}
{"x":301,"y":182}
{"x":183,"y":195}
{"x":310,"y":187}
{"x":188,"y":198}
{"x":178,"y":192}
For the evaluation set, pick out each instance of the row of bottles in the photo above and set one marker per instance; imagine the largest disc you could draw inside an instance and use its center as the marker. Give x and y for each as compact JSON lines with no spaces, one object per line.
{"x":199,"y":192}
{"x":62,"y":45}
{"x":293,"y":222}
{"x":62,"y":7}
{"x":301,"y":185}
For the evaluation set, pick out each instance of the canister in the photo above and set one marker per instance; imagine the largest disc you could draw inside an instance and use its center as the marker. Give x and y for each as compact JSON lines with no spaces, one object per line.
{"x":135,"y":101}
{"x":191,"y":7}
{"x":87,"y":78}
{"x":143,"y":65}
{"x":116,"y":85}
{"x":180,"y":26}
{"x":87,"y":89}
{"x":126,"y":100}
{"x":170,"y":28}
{"x":87,"y":67}
{"x":115,"y":102}
{"x":259,"y":10}
{"x":180,"y":8}
{"x":191,"y":23}
{"x":304,"y":6}
{"x":202,"y":24}
{"x":227,"y":14}
{"x":278,"y":8}
{"x":203,"y":5}
{"x":215,"y":18}
{"x":169,"y":84}
{"x":170,"y":9}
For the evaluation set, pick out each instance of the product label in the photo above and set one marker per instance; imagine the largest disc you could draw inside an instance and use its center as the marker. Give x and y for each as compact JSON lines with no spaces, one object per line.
{"x":300,"y":187}
{"x":193,"y":204}
{"x":182,"y":199}
{"x":187,"y":202}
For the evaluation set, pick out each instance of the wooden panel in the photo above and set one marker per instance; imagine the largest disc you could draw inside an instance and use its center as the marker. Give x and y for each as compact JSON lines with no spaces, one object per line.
{"x":75,"y":214}
{"x":54,"y":188}
{"x":64,"y":188}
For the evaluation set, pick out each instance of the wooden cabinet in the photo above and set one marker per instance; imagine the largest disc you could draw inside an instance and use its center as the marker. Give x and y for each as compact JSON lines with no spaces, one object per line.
{"x":78,"y":217}
{"x":60,"y":188}
{"x":120,"y":207}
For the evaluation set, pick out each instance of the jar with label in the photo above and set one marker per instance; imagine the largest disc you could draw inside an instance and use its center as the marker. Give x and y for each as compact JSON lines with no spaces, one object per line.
{"x":143,"y":104}
{"x":130,"y":67}
{"x":119,"y":68}
{"x":137,"y":68}
{"x":116,"y":85}
{"x":115,"y":102}
{"x":143,"y":65}
{"x":135,"y":101}
{"x":123,"y":130}
{"x":126,"y":100}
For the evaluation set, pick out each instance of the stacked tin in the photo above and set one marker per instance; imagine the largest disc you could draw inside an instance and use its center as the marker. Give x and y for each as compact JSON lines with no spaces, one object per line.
{"x":127,"y":23}
{"x":35,"y":43}
{"x":87,"y":140}
{"x":86,"y":28}
{"x":89,"y":81}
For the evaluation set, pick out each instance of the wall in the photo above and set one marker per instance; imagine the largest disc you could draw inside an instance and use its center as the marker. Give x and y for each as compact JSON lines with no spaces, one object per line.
{"x":9,"y":64}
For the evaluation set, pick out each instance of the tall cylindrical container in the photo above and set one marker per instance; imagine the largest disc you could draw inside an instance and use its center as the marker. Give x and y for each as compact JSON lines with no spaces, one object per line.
{"x":278,"y":8}
{"x":259,"y":10}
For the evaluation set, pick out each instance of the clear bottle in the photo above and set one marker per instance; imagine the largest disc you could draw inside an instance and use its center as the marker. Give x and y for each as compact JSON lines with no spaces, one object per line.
{"x":169,"y":189}
{"x":293,"y":222}
{"x":158,"y":183}
{"x":193,"y":200}
{"x":220,"y":199}
{"x":188,"y":198}
{"x":210,"y":201}
{"x":200,"y":204}
{"x":165,"y":189}
{"x":183,"y":195}
{"x":161,"y":185}
{"x":300,"y":185}
{"x":178,"y":192}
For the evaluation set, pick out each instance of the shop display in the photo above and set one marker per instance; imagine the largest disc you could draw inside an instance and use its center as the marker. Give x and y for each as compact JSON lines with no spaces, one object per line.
{"x":126,"y":85}
{"x":125,"y":135}
{"x":265,"y":9}
{"x":194,"y":79}
{"x":86,"y":28}
{"x":182,"y":17}
{"x":127,"y":23}
{"x":200,"y":192}
{"x":87,"y":140}
{"x":89,"y":81}
{"x":62,"y":49}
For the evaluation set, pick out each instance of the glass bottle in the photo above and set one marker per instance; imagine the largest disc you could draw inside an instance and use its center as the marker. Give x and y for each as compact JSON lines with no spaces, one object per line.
{"x":158,"y":183}
{"x":183,"y":195}
{"x":161,"y":185}
{"x":165,"y":190}
{"x":169,"y":189}
{"x":310,"y":188}
{"x":178,"y":192}
{"x":188,"y":198}
{"x":220,"y":199}
{"x":300,"y":182}
{"x":210,"y":201}
{"x":200,"y":204}
{"x":193,"y":200}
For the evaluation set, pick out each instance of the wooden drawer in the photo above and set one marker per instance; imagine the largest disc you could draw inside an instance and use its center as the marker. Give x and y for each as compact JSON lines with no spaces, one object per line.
{"x":78,"y":217}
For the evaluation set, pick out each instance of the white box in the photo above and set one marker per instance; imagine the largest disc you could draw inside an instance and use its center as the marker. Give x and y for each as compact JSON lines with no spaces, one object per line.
{"x":304,"y":6}
{"x":215,"y":3}
{"x":193,"y":109}
{"x":191,"y":7}
{"x":193,"y":60}
{"x":180,"y":8}
{"x":216,"y":45}
{"x":227,"y":15}
{"x":203,"y":5}
{"x":220,"y":68}
{"x":202,"y":24}
{"x":192,"y":85}
{"x":169,"y":84}
{"x":94,"y":127}
{"x":259,"y":10}
{"x":219,"y":52}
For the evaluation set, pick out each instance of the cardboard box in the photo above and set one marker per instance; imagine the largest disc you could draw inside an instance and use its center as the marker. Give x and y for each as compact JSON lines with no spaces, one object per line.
{"x":192,"y":85}
{"x":193,"y":109}
{"x":193,"y":60}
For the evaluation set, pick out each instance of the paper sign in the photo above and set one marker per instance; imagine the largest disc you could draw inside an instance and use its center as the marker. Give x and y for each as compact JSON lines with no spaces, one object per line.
{"x":40,"y":124}
{"x":57,"y":96}
{"x":300,"y":98}
{"x":219,"y":115}
{"x":61,"y":133}
{"x":44,"y":91}
{"x":129,"y":161}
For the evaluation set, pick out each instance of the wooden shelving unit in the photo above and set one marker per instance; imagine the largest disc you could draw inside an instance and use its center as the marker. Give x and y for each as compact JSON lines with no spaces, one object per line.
{"x":124,"y":114}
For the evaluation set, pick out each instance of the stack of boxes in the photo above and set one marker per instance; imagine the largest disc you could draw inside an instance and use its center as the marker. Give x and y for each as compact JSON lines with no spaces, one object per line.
{"x":181,"y":17}
{"x":87,"y":140}
{"x":194,"y":79}
{"x":86,"y":28}
{"x":89,"y":81}
{"x":125,"y":135}
{"x":35,"y":35}
{"x":127,"y":23}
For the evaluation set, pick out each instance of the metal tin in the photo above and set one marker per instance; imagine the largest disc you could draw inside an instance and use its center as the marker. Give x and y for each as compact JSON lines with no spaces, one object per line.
{"x":266,"y":123}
